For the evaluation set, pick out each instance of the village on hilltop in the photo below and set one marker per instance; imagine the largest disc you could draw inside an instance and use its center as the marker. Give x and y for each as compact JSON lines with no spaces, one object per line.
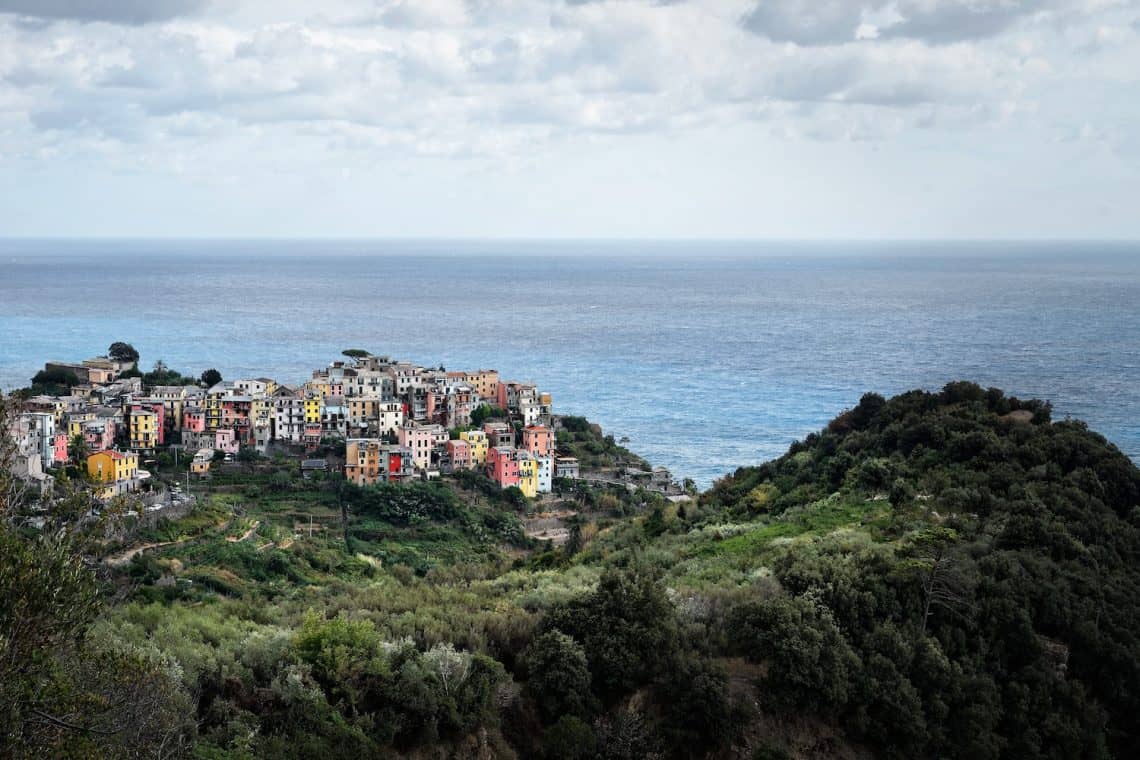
{"x":397,"y":421}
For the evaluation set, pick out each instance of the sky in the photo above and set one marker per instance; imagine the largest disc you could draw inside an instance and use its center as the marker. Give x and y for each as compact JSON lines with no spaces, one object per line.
{"x":801,"y":119}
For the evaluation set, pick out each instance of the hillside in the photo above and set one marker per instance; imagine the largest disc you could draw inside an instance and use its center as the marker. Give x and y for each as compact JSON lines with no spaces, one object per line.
{"x":938,"y":575}
{"x":990,"y":610}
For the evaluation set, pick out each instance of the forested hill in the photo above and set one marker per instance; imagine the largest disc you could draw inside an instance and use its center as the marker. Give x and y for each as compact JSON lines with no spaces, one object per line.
{"x":995,"y":613}
{"x":939,"y":575}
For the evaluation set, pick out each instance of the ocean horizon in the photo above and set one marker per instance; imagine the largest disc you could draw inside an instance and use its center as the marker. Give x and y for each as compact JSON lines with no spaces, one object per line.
{"x":707,"y":355}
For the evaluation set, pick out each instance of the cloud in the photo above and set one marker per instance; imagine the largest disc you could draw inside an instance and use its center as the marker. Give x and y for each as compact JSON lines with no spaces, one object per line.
{"x":466,"y":77}
{"x":946,"y":21}
{"x":823,"y":22}
{"x":805,"y":22}
{"x":131,"y":12}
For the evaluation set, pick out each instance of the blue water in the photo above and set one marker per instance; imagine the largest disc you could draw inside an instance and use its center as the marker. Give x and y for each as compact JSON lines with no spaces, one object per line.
{"x":706,"y":355}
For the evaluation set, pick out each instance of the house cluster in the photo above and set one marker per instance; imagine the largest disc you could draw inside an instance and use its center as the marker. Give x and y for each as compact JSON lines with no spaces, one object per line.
{"x":104,"y":411}
{"x":396,"y":418}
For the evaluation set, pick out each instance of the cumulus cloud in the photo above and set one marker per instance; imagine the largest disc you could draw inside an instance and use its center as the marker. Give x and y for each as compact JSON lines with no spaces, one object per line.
{"x":114,"y":11}
{"x":465,"y":77}
{"x":821,"y":22}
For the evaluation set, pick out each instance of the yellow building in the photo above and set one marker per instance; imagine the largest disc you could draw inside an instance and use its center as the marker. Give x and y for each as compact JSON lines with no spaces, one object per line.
{"x":319,"y":386}
{"x":118,"y":470}
{"x":75,"y":423}
{"x":261,"y":411}
{"x":200,"y":464}
{"x":213,"y":407}
{"x":477,"y":439}
{"x":528,"y":474}
{"x":312,"y":409}
{"x":485,"y":382}
{"x":143,"y":429}
{"x":59,"y":409}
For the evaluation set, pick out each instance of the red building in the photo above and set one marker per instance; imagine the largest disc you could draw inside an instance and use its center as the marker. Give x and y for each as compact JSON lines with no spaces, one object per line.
{"x":502,"y":467}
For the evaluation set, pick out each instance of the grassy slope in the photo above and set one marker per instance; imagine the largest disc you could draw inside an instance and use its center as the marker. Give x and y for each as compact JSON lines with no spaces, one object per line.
{"x":952,"y":460}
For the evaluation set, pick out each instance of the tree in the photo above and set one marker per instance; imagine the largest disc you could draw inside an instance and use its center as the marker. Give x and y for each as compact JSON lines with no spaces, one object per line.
{"x":480,"y":415}
{"x":941,"y":572}
{"x":211,"y":377}
{"x":558,"y":675}
{"x":627,"y":628}
{"x":55,"y":379}
{"x":356,"y":353}
{"x":569,"y":739}
{"x":698,"y":713}
{"x":248,"y":455}
{"x":809,"y":662}
{"x":122,"y":352}
{"x":77,"y":450}
{"x":655,"y":524}
{"x":61,"y":693}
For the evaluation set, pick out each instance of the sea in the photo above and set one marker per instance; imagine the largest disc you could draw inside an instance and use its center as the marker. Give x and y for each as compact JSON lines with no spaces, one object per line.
{"x":706,"y":356}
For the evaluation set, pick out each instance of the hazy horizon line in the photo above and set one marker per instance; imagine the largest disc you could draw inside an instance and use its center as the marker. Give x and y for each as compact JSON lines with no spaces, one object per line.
{"x":555,"y":239}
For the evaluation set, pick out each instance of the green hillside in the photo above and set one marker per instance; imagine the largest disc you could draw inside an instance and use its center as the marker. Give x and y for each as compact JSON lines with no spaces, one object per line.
{"x":934,"y":575}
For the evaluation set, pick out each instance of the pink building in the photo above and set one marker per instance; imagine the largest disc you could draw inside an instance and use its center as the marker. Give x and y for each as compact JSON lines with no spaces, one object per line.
{"x":460,"y":453}
{"x":421,"y":439}
{"x":59,"y":446}
{"x":538,"y":440}
{"x":226,"y":441}
{"x":194,"y":419}
{"x":99,"y":435}
{"x":236,"y":410}
{"x":312,"y":435}
{"x":502,"y":467}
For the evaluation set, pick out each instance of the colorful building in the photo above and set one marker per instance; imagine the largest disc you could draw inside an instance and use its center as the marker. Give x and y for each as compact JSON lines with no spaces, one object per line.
{"x":76,"y":421}
{"x":60,"y":447}
{"x":226,"y":441}
{"x":538,"y":440}
{"x":99,"y":434}
{"x":485,"y":382}
{"x":499,"y":434}
{"x":312,"y":408}
{"x":142,"y":425}
{"x":200,"y":464}
{"x":528,"y":473}
{"x":459,"y":452}
{"x":502,"y":467}
{"x":116,"y":470}
{"x":194,"y":419}
{"x":545,"y":474}
{"x":477,"y":440}
{"x":421,"y":440}
{"x":374,"y":415}
{"x":400,"y":464}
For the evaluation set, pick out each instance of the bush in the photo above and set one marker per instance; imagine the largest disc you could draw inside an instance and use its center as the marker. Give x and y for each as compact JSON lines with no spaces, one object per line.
{"x":810,"y":664}
{"x":627,"y":628}
{"x":558,"y":675}
{"x":569,"y":739}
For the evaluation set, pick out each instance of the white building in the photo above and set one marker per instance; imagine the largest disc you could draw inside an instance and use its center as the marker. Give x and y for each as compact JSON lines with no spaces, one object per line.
{"x":545,"y":474}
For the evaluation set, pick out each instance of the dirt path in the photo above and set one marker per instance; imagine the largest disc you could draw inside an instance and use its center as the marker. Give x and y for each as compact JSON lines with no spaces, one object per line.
{"x":122,"y":558}
{"x":247,"y":534}
{"x":549,"y":526}
{"x":117,"y":560}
